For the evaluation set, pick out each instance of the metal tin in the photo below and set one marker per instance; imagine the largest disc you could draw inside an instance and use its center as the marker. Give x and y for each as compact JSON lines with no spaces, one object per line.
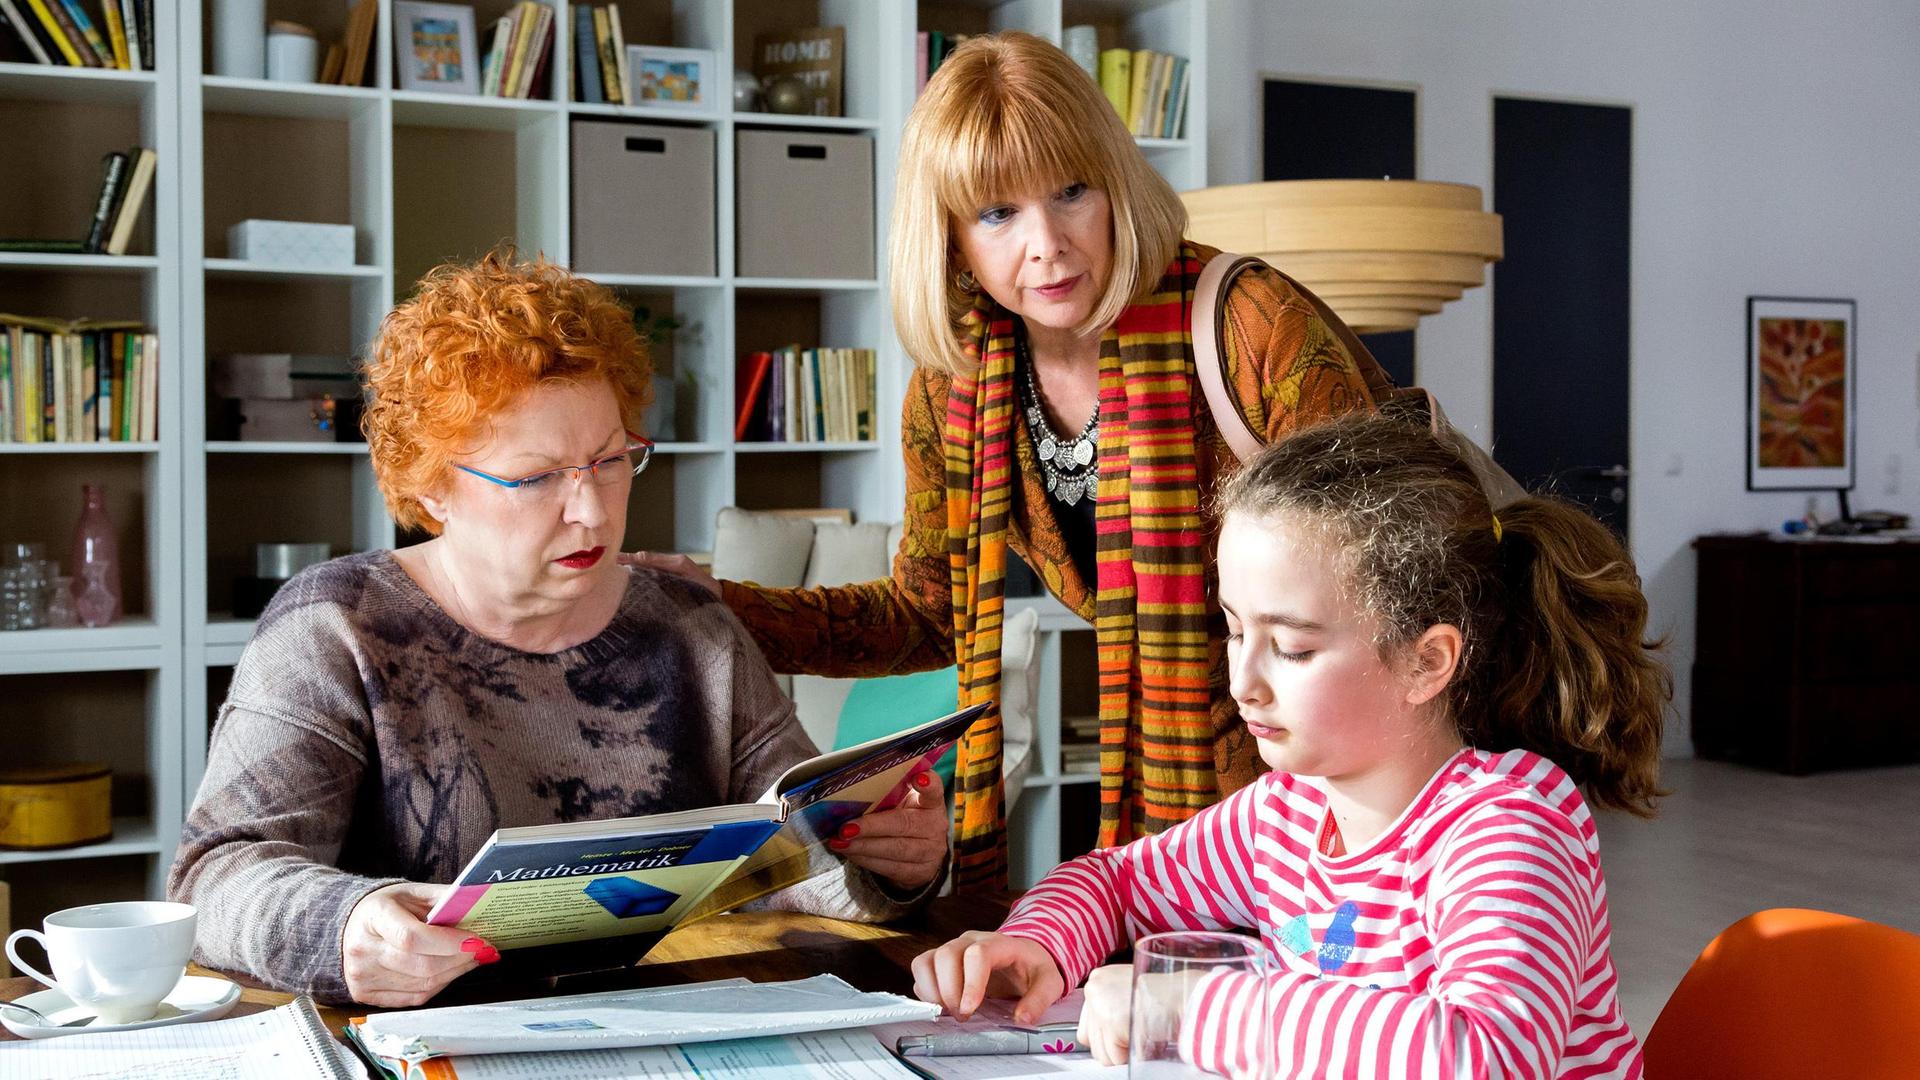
{"x":282,"y":561}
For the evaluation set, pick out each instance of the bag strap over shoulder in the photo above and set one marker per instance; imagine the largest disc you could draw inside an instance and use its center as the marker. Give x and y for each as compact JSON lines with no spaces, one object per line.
{"x":1210,"y":364}
{"x":1210,"y":360}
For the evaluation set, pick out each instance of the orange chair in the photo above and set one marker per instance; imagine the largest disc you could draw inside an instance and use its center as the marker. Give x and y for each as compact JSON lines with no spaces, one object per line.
{"x":1792,"y":994}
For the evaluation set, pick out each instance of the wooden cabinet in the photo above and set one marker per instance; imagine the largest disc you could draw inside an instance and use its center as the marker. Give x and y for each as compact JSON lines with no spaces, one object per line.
{"x":1807,"y":652}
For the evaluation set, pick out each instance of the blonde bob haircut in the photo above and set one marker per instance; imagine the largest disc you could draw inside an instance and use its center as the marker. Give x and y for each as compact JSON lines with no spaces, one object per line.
{"x":1010,"y":115}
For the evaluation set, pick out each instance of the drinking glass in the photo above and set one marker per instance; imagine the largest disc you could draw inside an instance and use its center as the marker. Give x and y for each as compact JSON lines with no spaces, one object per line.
{"x":24,"y":579}
{"x":1199,"y":1007}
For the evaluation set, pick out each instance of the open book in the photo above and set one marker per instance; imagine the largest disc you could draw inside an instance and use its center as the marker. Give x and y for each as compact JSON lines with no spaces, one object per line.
{"x":580,"y":881}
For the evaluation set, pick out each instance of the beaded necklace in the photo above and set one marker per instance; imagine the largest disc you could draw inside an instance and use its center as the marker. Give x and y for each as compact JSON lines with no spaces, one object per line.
{"x":1072,"y":467}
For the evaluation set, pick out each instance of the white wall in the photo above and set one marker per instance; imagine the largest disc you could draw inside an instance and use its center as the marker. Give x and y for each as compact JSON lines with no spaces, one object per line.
{"x":1776,"y":152}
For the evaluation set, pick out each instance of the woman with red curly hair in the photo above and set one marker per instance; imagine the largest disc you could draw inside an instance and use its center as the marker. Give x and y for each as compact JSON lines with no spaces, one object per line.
{"x":394,"y":708}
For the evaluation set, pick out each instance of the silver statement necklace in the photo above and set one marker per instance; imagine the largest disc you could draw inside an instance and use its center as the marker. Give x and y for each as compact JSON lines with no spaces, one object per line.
{"x":1072,"y":467}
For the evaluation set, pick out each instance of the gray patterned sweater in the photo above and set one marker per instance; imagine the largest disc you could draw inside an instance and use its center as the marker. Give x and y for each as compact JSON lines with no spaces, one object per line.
{"x":370,"y":738}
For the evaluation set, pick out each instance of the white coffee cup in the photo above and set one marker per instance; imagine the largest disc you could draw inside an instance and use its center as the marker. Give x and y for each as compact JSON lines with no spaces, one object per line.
{"x":119,"y":960}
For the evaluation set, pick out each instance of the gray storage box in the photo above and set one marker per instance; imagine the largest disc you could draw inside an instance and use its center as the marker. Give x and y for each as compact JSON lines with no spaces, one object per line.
{"x":643,"y":199}
{"x":806,"y":205}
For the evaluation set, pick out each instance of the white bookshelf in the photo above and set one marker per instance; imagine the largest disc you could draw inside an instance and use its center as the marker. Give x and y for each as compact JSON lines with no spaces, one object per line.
{"x":114,"y":693}
{"x":236,"y":147}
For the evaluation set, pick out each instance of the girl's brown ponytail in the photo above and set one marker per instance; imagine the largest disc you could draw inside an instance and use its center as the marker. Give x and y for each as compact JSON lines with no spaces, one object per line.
{"x":1569,"y":673}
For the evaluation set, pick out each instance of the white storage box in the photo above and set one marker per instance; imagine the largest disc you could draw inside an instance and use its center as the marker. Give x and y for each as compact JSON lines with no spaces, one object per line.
{"x":291,"y":243}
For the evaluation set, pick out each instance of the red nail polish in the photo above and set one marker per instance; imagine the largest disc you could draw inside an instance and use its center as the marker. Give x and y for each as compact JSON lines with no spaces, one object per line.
{"x":472,"y":944}
{"x":923,"y":780}
{"x":487,"y":955}
{"x":837,"y":845}
{"x":849,"y":831}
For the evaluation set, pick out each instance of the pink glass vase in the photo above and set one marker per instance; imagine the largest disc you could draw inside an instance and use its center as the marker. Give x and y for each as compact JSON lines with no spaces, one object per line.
{"x":96,"y":561}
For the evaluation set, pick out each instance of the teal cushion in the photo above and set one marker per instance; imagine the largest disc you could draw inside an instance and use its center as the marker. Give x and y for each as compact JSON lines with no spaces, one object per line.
{"x":877,"y":707}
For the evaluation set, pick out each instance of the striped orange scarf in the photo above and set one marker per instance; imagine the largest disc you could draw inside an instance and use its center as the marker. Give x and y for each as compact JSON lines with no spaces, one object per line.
{"x":1150,"y":608}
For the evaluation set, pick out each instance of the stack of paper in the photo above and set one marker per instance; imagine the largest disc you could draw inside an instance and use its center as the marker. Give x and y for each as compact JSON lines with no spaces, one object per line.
{"x":626,"y":1019}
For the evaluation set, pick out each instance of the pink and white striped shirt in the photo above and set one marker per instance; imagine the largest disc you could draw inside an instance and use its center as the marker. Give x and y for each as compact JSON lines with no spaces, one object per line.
{"x":1469,"y":940}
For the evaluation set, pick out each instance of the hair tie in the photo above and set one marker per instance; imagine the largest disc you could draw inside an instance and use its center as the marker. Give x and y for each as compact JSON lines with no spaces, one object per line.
{"x":1498,"y":532}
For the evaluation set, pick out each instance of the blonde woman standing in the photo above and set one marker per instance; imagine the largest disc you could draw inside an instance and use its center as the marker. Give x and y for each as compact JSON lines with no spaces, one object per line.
{"x":1042,"y":286}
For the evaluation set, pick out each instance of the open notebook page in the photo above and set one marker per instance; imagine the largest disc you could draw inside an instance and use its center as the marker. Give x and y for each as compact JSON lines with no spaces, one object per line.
{"x":287,"y":1043}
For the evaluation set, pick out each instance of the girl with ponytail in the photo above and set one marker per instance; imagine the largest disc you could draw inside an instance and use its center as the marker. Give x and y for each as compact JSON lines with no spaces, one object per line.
{"x":1441,"y":693}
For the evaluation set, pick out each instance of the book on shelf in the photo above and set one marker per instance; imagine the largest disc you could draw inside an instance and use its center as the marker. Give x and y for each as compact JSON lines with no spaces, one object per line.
{"x":127,"y":212}
{"x":1148,"y":89}
{"x":621,"y":76}
{"x":518,"y":58}
{"x":931,"y":49}
{"x":526,"y":48}
{"x":357,"y":46}
{"x":750,"y":385}
{"x":535,"y":84}
{"x":63,"y":33}
{"x":113,"y":185}
{"x":1176,"y":89}
{"x":586,"y":83}
{"x":604,"y":60}
{"x":77,"y":380}
{"x":129,"y":20}
{"x":89,"y":34}
{"x":333,"y":65}
{"x":60,"y":32}
{"x":585,"y":881}
{"x":116,"y":34}
{"x":801,"y":395}
{"x":45,"y":247}
{"x":15,"y":20}
{"x":1116,"y":76}
{"x":499,"y":37}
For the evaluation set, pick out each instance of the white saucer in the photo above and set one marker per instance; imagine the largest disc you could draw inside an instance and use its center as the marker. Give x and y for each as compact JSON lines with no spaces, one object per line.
{"x":197,"y":997}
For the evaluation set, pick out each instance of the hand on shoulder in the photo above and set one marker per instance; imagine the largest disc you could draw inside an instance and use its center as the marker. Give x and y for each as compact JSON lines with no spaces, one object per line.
{"x":677,"y":565}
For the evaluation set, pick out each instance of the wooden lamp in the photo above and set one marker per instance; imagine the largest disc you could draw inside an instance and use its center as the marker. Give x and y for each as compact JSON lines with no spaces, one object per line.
{"x":1381,"y":253}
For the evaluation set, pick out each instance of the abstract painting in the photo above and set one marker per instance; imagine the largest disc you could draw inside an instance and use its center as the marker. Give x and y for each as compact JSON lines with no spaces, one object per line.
{"x":1800,"y":393}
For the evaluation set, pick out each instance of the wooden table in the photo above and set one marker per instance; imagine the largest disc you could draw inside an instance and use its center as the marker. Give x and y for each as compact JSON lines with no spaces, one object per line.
{"x":764,"y":946}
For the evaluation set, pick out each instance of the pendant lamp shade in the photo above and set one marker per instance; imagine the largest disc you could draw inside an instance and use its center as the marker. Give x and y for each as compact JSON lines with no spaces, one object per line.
{"x":1381,"y":253}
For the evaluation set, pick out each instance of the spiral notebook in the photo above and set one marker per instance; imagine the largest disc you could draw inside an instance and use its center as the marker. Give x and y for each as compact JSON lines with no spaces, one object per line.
{"x":287,"y":1043}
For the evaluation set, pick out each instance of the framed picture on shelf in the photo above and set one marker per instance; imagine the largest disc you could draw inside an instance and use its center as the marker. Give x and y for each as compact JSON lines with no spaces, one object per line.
{"x":1800,"y":393}
{"x":669,"y":77}
{"x":434,"y":44}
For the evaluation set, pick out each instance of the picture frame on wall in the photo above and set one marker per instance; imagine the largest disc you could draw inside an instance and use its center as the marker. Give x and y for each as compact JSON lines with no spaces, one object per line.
{"x":435,"y":45}
{"x":1801,"y":393}
{"x":673,"y":78}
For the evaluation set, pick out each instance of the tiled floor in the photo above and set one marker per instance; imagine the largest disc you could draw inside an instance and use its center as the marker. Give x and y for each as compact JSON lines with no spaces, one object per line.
{"x":1730,"y":841}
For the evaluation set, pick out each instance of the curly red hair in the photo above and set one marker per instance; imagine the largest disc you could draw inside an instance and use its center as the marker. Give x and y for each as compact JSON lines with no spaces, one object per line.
{"x":473,"y":340}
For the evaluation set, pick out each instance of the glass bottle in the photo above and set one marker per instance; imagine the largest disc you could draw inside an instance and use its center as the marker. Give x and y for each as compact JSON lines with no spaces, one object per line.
{"x":60,"y":601}
{"x":96,"y":561}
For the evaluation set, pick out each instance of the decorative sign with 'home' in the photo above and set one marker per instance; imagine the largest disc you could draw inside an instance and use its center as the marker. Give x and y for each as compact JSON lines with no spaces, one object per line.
{"x":815,"y":57}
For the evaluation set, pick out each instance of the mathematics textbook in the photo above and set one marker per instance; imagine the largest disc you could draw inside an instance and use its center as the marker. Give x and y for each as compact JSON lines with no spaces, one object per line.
{"x":584,"y":880}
